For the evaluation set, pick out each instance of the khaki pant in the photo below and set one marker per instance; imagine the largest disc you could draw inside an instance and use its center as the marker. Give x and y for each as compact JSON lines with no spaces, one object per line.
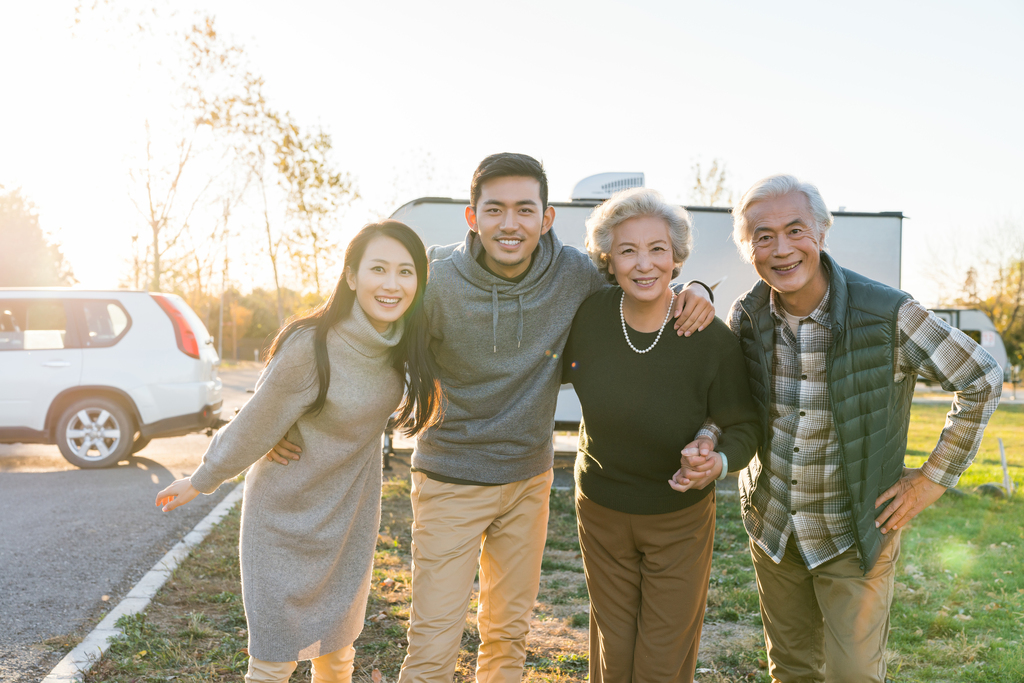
{"x":333,"y":667}
{"x":648,"y":581}
{"x":454,"y":525}
{"x":830,"y":623}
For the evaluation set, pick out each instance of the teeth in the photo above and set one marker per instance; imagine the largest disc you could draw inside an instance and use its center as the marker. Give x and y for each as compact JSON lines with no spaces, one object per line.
{"x":384,"y":300}
{"x":786,"y":269}
{"x":509,"y":242}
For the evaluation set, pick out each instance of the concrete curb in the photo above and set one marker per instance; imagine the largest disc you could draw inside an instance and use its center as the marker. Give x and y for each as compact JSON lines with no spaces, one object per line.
{"x":74,"y":665}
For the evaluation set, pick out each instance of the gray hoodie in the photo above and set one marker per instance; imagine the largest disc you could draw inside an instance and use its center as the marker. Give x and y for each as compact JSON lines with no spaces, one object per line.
{"x":498,"y":348}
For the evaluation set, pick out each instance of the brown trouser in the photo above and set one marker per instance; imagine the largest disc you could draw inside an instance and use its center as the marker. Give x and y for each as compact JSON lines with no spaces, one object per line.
{"x":830,"y":623}
{"x":453,"y":525}
{"x":648,"y":582}
{"x":333,"y":667}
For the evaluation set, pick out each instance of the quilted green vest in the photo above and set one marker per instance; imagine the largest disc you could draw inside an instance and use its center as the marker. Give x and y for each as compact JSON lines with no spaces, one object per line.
{"x":870,"y":411}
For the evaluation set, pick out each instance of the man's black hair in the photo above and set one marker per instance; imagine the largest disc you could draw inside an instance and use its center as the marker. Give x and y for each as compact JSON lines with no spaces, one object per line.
{"x":507,"y":164}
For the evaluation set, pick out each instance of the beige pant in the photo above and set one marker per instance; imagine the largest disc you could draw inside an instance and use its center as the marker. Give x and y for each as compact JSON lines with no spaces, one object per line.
{"x":453,"y":525}
{"x":333,"y":667}
{"x":830,"y":623}
{"x":648,"y":581}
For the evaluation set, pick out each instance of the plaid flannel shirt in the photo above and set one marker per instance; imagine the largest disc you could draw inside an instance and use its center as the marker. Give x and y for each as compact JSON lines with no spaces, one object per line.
{"x":808,"y":496}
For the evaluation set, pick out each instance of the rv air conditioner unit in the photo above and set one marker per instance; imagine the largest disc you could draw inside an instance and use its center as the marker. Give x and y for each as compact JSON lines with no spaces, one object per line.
{"x":604,"y":185}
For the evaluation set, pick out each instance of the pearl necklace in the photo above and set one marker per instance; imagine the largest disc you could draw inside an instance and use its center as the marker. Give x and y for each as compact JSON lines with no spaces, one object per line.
{"x":622,"y":317}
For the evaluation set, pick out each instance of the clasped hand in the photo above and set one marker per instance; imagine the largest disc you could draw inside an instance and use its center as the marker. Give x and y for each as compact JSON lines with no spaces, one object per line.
{"x":700,"y":465}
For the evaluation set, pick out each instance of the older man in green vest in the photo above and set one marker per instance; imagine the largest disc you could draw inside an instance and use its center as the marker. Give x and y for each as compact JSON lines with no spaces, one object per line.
{"x":832,"y":359}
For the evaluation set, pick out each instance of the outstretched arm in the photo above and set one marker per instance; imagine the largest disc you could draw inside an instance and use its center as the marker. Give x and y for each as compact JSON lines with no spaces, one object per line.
{"x":285,"y":388}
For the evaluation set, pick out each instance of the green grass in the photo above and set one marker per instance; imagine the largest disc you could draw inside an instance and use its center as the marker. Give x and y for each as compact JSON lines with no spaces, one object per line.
{"x":1007,"y":424}
{"x":958,"y":614}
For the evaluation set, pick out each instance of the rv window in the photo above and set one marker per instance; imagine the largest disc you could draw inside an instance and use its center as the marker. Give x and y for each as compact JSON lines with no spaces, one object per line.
{"x":973,"y":334}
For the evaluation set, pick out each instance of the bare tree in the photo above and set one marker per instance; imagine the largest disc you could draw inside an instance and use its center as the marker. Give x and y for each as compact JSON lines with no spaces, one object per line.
{"x":159,"y":202}
{"x":417,"y":173}
{"x":711,"y":186}
{"x":255,"y":130}
{"x":170,"y":187}
{"x":316,"y":195}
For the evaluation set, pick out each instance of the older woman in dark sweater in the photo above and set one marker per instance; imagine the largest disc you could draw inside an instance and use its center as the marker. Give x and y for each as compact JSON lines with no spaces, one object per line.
{"x":645,"y":532}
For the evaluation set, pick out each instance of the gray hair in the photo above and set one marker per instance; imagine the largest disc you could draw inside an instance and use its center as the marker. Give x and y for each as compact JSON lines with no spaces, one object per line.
{"x":634,"y":203}
{"x":774,"y":187}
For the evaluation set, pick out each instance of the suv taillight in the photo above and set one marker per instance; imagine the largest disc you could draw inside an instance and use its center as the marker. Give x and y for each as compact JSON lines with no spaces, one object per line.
{"x":183,"y":333}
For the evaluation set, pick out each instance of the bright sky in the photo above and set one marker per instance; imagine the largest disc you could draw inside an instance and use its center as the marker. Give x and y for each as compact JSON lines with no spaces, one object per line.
{"x":909,"y":106}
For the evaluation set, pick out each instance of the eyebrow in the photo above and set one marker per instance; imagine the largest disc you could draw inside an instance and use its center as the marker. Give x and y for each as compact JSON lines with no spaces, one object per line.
{"x":795,"y":221}
{"x":521,"y":202}
{"x":387,"y":263}
{"x":660,"y":240}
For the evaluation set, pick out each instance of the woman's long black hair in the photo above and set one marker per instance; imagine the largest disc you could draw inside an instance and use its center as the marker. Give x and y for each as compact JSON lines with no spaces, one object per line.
{"x":421,"y":406}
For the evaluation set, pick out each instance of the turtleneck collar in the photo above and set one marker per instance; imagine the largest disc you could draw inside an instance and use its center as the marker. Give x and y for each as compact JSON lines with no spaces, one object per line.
{"x":358,"y":332}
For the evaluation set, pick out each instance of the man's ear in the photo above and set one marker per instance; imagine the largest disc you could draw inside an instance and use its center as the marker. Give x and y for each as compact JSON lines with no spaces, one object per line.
{"x":471,"y":218}
{"x":549,"y":219}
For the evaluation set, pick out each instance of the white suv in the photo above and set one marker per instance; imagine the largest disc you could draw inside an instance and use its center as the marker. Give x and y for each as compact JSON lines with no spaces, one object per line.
{"x":100,"y":373}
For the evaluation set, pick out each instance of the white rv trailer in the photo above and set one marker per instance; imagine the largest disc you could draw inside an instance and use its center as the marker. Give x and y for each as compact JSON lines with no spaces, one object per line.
{"x":868,"y":243}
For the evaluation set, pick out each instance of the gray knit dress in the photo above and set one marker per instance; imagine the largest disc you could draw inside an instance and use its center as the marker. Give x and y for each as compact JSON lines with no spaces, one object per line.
{"x":309,"y":529}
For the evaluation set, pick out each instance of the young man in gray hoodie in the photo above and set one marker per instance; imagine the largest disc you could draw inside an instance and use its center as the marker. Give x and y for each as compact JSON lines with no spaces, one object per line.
{"x":499,"y":307}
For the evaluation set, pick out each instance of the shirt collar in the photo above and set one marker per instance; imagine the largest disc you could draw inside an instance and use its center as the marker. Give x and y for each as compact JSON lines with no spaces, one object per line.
{"x":818,"y":315}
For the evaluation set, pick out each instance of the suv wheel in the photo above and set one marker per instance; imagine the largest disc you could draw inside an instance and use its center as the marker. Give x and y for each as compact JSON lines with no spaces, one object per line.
{"x":94,"y":432}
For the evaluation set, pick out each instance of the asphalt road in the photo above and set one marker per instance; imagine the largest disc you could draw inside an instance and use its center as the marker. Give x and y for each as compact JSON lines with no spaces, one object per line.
{"x":72,"y":537}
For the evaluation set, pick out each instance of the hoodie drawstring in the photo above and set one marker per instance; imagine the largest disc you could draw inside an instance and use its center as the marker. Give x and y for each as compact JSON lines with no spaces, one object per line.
{"x":494,"y":313}
{"x":519,"y":336}
{"x":494,"y":318}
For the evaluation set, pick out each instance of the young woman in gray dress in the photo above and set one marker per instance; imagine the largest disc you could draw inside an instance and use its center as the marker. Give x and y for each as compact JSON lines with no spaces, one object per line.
{"x":308,"y":531}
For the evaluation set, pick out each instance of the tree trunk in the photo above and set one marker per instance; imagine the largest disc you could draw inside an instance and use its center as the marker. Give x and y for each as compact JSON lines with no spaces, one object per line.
{"x":273,"y":255}
{"x":154,"y":285}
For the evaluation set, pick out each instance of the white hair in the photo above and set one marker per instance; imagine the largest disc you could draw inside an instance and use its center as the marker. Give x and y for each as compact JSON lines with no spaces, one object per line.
{"x":774,"y":187}
{"x":634,"y":203}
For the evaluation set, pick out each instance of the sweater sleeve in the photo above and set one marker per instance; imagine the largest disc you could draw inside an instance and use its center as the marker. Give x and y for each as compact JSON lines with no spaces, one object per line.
{"x":286,"y":387}
{"x":730,"y":406}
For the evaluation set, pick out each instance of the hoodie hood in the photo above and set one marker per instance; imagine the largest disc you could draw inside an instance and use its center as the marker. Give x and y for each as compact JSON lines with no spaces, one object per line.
{"x":498,"y":346}
{"x":465,"y":256}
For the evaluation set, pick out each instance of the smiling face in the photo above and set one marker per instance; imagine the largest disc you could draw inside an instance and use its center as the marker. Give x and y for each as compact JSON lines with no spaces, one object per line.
{"x":384,"y":281}
{"x":641,"y":258}
{"x":509,"y":218}
{"x":786,"y":251}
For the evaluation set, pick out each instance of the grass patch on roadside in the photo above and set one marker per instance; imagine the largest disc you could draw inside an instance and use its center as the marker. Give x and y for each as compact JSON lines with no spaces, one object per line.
{"x":958,"y":614}
{"x":194,"y":629}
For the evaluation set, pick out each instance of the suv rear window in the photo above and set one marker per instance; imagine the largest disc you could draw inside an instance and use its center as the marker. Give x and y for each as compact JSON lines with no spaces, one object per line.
{"x":105,"y":323}
{"x":28,"y":325}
